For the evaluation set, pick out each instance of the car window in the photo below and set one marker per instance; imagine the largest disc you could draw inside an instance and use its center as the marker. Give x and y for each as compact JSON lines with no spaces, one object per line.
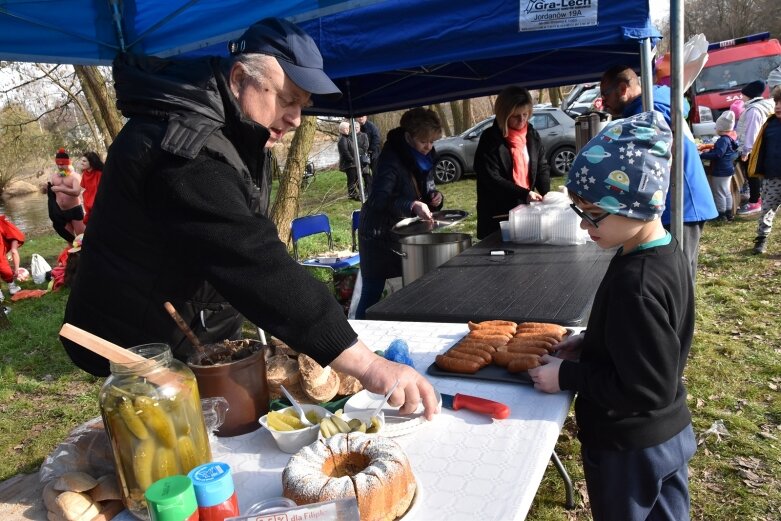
{"x":588,"y":95}
{"x":542,"y":121}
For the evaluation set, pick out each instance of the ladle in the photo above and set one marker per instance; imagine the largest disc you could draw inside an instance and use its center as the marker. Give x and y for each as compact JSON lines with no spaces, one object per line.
{"x":187,"y":332}
{"x":296,"y":407}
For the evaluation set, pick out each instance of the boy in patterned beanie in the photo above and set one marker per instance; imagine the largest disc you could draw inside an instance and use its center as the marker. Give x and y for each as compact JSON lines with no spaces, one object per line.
{"x":633,"y":422}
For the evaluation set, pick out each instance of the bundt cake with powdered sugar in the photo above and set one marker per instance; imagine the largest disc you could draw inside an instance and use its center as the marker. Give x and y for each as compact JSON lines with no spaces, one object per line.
{"x":370,"y":468}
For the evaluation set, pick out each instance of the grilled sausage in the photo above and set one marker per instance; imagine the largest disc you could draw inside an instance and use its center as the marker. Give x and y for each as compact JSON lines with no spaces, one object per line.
{"x":523,"y":363}
{"x":456,"y":365}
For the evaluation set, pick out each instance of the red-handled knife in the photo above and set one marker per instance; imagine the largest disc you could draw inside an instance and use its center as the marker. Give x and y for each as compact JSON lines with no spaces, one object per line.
{"x":475,"y":404}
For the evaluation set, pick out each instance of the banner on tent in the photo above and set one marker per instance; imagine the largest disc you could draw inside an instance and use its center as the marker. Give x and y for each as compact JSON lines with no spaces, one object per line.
{"x":538,"y":15}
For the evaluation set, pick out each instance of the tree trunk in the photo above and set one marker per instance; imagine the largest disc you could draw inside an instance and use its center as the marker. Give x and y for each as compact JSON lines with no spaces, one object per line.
{"x":443,"y":119}
{"x":458,"y":118}
{"x":466,"y":114}
{"x":94,"y":84}
{"x":555,"y":96}
{"x":285,"y":207}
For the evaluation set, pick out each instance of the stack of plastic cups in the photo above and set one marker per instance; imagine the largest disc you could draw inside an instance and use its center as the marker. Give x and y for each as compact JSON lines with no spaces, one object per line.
{"x":215,"y":491}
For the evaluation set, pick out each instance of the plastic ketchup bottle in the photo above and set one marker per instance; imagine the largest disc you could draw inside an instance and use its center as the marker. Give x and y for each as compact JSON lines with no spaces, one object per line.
{"x":214,"y":491}
{"x":172,"y":499}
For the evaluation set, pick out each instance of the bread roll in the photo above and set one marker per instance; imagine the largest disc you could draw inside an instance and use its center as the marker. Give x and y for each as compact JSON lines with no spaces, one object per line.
{"x":106,"y":489}
{"x":76,"y":506}
{"x":49,"y":497}
{"x":75,"y":482}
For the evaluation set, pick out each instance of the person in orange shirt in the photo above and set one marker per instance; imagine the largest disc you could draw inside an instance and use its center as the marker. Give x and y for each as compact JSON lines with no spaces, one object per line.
{"x":11,"y":239}
{"x":91,"y":170}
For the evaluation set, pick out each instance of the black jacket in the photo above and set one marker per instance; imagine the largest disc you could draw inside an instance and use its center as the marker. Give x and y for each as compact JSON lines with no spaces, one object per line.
{"x":375,"y":140}
{"x":629,"y":380}
{"x":178,"y":216}
{"x":347,"y":150}
{"x":497,"y":194}
{"x":397,"y":184}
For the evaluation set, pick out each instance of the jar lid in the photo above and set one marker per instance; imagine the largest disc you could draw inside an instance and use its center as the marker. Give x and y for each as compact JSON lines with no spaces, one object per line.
{"x":212,"y":482}
{"x":171,"y":499}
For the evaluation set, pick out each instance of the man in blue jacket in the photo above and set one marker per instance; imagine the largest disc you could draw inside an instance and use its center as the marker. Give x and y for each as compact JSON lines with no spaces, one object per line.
{"x":622,"y":97}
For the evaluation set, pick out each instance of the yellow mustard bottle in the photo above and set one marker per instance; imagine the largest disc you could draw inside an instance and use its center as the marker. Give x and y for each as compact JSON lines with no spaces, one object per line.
{"x":152,"y":413}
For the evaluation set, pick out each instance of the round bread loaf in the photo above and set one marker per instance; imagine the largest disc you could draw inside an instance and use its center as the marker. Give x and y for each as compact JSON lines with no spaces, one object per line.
{"x":281,"y":370}
{"x":370,"y":468}
{"x":348,"y":384}
{"x":319,"y":383}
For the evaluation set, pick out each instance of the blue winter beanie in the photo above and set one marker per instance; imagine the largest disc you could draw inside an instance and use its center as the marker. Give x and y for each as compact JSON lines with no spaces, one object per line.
{"x":625,"y":169}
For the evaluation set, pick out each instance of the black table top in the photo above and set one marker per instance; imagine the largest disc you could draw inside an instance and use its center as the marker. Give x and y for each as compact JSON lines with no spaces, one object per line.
{"x":537,"y":283}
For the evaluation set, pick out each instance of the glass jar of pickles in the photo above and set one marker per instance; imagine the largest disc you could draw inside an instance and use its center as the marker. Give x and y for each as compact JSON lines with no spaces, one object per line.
{"x":152,"y":413}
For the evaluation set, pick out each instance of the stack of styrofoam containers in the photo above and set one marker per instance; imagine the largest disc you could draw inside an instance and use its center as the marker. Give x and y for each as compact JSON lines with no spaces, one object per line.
{"x":526,"y":223}
{"x":560,"y":225}
{"x":548,"y":222}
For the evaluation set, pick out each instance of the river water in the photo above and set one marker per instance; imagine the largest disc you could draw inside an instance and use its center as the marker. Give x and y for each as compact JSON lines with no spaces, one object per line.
{"x":30,"y":213}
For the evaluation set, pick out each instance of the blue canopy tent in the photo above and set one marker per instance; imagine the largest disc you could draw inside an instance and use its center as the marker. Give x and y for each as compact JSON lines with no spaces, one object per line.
{"x":397,"y":54}
{"x":384,"y":55}
{"x":92,"y":32}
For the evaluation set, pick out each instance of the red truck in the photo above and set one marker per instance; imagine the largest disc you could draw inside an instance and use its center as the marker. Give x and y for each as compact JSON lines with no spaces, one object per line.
{"x":731,"y":65}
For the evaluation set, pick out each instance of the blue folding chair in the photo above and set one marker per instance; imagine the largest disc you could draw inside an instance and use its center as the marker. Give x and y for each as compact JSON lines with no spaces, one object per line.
{"x":312,"y":225}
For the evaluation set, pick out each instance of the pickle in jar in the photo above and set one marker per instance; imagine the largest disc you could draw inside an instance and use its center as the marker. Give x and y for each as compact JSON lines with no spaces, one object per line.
{"x":156,"y":420}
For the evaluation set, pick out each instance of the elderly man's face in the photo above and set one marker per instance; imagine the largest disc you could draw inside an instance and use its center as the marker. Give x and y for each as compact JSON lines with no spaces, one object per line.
{"x":276,"y":102}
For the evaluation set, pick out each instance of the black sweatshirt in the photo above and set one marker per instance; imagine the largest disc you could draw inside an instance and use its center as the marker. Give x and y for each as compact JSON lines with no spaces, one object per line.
{"x":177,"y":217}
{"x":629,"y":378}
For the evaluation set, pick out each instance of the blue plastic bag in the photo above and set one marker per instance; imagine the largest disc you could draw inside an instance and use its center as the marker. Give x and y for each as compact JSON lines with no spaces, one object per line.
{"x":398,"y":351}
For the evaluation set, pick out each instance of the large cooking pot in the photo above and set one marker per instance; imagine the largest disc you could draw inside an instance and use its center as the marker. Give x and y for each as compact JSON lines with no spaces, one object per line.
{"x":422,"y":253}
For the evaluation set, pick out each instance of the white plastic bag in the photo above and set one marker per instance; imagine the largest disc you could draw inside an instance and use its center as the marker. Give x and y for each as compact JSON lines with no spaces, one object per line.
{"x":695,"y":55}
{"x":39,"y":268}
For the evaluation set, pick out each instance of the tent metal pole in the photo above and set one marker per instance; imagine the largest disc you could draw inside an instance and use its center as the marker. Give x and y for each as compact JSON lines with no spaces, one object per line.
{"x":356,"y":151}
{"x":676,"y":77}
{"x":117,"y":17}
{"x":357,"y":154}
{"x":646,"y":74}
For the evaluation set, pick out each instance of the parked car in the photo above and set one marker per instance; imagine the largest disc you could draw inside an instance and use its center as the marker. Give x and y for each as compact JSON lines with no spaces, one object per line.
{"x":581,"y":99}
{"x":456,"y":154}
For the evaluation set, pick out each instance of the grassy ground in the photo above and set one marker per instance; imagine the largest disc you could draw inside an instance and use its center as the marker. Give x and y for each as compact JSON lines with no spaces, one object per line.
{"x":733,"y":376}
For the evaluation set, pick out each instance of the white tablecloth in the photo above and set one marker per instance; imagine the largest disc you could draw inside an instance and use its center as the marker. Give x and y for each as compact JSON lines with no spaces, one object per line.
{"x":467,"y":465}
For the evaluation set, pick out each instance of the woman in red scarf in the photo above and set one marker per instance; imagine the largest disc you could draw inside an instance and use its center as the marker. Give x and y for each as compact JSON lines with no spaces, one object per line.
{"x":510,"y":161}
{"x":91,"y":170}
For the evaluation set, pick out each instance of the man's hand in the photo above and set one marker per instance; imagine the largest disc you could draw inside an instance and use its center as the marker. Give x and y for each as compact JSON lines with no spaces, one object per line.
{"x":420,"y":209}
{"x":533,"y":197}
{"x":436,"y":199}
{"x":378,"y":375}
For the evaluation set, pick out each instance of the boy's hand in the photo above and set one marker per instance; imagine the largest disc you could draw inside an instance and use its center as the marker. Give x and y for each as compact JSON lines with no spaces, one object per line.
{"x":546,"y":377}
{"x":569,"y":349}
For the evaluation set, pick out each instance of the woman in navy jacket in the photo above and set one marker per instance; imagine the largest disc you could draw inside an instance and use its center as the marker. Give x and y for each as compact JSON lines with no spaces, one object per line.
{"x":403,"y":187}
{"x":510,"y":161}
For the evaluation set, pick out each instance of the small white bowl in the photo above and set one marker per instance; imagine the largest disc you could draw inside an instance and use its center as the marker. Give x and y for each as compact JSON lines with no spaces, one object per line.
{"x":293,"y":441}
{"x":365,"y":417}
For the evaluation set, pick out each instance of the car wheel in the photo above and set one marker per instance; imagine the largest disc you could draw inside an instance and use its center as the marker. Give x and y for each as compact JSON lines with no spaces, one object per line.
{"x":447,"y":170}
{"x":561,"y":160}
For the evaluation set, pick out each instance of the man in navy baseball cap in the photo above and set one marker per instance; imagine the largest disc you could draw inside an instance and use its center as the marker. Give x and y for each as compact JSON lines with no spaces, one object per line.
{"x":183,"y":210}
{"x":294,"y":50}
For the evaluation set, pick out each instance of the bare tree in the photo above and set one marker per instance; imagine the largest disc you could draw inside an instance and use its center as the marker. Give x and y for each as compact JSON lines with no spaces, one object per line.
{"x":285,"y":207}
{"x":101,"y":100}
{"x":19,"y":142}
{"x":440,"y":110}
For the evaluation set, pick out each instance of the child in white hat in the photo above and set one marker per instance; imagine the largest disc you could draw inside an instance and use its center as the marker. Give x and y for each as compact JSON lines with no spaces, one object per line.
{"x":722,"y":157}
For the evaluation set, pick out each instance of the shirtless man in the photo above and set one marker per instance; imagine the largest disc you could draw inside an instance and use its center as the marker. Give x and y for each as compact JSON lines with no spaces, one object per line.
{"x":66,"y":185}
